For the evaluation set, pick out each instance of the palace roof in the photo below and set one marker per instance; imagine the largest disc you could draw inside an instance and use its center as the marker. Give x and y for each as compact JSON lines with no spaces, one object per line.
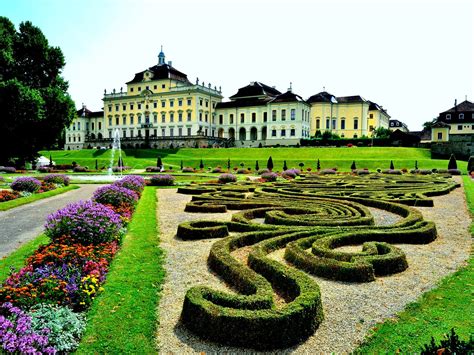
{"x":465,"y":106}
{"x":255,"y":89}
{"x":85,"y":112}
{"x":288,"y":97}
{"x":323,"y":96}
{"x":160,"y":72}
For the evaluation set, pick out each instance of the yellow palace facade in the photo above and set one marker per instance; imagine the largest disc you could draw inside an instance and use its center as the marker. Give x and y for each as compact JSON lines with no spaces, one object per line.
{"x":161,"y":108}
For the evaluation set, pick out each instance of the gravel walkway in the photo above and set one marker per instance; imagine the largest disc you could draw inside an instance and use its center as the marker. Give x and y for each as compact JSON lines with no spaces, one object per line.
{"x":23,"y":223}
{"x":350,"y":309}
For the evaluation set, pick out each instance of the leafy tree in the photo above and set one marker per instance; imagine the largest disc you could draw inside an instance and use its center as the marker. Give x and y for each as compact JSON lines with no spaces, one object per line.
{"x":159,"y":163}
{"x":329,"y":135}
{"x":353,"y":165}
{"x":34,"y":104}
{"x":452,"y":164}
{"x":382,"y":132}
{"x":257,"y":168}
{"x":270,"y":164}
{"x":429,"y":124}
{"x":301,"y":165}
{"x":285,"y":167}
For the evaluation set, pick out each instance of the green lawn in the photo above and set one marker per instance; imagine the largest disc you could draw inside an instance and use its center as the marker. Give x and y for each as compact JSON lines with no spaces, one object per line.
{"x":18,"y":257}
{"x":123,"y":319}
{"x":35,"y":197}
{"x":448,"y":306}
{"x":371,"y":158}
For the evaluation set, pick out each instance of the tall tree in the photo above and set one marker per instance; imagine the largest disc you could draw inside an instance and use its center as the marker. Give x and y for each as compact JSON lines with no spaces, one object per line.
{"x":34,"y":104}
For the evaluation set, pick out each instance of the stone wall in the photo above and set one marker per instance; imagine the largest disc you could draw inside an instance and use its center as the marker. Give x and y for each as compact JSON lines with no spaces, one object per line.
{"x":462,"y":146}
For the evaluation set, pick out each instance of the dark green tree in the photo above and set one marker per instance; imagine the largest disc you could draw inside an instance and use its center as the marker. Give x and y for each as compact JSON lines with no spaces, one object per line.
{"x":257,"y":168}
{"x":318,"y":165}
{"x":301,"y":165}
{"x":285,"y":167}
{"x":353,"y":165}
{"x":452,"y":164}
{"x":96,"y":165}
{"x":270,"y":164}
{"x":159,"y":163}
{"x":470,"y":164}
{"x":242,"y":165}
{"x":181,"y":165}
{"x":228,"y":164}
{"x":392,"y":167}
{"x":382,"y":132}
{"x":50,"y":161}
{"x":416,"y":164}
{"x":201,"y":164}
{"x":35,"y":107}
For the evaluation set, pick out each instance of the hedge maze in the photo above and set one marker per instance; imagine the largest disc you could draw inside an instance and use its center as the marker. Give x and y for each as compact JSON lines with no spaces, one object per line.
{"x":276,"y":305}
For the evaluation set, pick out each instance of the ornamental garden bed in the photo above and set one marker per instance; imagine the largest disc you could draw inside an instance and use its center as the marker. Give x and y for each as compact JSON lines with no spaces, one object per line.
{"x":295,"y":285}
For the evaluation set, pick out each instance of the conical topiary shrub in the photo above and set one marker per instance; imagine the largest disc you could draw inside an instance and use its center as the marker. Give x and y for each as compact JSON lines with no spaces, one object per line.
{"x":159,"y":163}
{"x":392,"y":167}
{"x":285,"y":167}
{"x":353,"y":165}
{"x":257,"y":168}
{"x":452,"y":162}
{"x":270,"y":164}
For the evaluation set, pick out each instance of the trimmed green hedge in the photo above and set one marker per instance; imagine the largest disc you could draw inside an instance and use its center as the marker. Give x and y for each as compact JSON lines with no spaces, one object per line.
{"x":310,"y":217}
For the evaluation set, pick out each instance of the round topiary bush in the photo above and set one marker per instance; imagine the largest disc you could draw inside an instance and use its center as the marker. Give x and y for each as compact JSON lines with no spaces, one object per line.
{"x":85,"y":222}
{"x":263,"y":171}
{"x":132,"y":182}
{"x":162,"y":180}
{"x":217,"y":170}
{"x":7,"y":169}
{"x":188,"y":170}
{"x":80,"y":169}
{"x":289,"y":174}
{"x":115,"y":196}
{"x":57,"y":179}
{"x":269,"y":176}
{"x":28,"y":184}
{"x":226,"y":178}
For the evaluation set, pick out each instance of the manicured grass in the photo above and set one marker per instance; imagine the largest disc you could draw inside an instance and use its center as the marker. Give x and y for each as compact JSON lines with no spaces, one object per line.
{"x":17,"y":258}
{"x":448,"y":306}
{"x":35,"y":197}
{"x":371,"y":158}
{"x":123,"y":318}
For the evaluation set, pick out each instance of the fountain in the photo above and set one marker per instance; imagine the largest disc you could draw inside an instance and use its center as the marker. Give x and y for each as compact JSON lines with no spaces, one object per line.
{"x":115,"y":146}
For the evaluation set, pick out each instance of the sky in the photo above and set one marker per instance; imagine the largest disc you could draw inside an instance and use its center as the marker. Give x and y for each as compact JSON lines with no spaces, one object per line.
{"x":412,"y":57}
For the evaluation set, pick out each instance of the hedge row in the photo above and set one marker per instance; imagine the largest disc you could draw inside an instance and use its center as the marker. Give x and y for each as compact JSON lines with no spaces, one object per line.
{"x":319,"y":214}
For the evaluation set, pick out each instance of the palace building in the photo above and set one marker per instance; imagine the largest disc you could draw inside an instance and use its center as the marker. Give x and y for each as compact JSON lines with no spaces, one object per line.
{"x":161,"y":108}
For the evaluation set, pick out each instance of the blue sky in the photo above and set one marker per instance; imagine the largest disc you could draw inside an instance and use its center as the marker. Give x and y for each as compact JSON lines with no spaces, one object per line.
{"x":412,"y":57}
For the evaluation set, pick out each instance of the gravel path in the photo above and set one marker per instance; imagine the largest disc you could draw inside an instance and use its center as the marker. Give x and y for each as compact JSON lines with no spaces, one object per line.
{"x":350,"y":309}
{"x":23,"y":223}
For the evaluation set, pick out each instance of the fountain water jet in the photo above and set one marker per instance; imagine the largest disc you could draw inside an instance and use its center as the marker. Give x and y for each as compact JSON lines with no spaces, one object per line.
{"x":115,"y":147}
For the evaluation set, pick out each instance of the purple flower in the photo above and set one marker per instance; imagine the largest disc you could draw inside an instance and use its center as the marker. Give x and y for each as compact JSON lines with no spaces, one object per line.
{"x":162,"y":180}
{"x":85,"y":222}
{"x":57,"y":179}
{"x":225,"y":178}
{"x":26,"y":184}
{"x":132,"y":182}
{"x":115,"y":195}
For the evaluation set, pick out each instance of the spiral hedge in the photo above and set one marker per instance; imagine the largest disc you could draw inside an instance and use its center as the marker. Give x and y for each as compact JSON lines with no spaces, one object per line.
{"x":310,"y":218}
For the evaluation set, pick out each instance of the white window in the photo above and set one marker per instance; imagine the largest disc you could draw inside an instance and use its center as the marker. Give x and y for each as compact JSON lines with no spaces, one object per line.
{"x":461,"y":116}
{"x":448,"y":116}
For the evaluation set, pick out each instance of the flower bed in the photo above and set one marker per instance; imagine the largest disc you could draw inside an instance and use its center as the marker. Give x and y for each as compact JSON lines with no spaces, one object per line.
{"x":42,"y":303}
{"x":27,"y":184}
{"x":57,"y":179}
{"x":162,"y":180}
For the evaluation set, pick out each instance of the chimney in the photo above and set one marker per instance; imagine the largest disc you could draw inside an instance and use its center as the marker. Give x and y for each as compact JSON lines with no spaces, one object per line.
{"x":455,"y":105}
